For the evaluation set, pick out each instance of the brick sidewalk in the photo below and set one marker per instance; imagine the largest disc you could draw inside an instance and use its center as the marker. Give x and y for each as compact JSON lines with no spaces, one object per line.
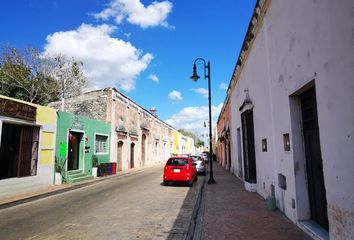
{"x":230,"y":212}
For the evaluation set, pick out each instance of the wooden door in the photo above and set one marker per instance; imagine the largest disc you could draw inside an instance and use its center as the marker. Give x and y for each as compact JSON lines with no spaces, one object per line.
{"x":249,"y":157}
{"x":28,"y":154}
{"x":132,"y":155}
{"x":314,"y":168}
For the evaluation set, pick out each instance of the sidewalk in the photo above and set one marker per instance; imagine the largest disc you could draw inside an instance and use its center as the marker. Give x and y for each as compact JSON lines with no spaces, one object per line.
{"x":230,"y":212}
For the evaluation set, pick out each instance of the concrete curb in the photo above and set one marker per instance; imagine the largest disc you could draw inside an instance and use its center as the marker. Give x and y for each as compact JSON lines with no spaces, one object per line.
{"x":194,"y":229}
{"x":70,"y":187}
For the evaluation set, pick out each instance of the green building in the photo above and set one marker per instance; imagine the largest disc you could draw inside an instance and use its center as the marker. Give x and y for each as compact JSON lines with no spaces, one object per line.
{"x":79,"y":141}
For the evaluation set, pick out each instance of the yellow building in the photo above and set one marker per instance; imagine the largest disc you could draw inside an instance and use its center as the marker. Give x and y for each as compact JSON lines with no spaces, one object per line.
{"x":27,"y":146}
{"x":182,"y":144}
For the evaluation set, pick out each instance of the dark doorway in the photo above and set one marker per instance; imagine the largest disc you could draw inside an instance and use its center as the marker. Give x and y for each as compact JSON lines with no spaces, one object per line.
{"x":132,"y":155}
{"x":239,"y":156}
{"x":18,"y":151}
{"x":314,"y":168}
{"x":120,"y":156}
{"x":249,"y":157}
{"x":229,"y":153}
{"x":74,"y":150}
{"x":143,"y":143}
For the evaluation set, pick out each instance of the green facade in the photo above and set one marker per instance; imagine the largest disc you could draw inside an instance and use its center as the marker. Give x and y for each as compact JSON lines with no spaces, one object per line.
{"x":78,"y":139}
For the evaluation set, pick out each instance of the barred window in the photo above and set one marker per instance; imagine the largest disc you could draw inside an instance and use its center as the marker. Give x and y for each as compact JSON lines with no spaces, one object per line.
{"x":101,"y":144}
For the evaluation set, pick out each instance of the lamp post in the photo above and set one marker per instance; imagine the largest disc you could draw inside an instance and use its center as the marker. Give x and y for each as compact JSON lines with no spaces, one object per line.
{"x":195,"y":78}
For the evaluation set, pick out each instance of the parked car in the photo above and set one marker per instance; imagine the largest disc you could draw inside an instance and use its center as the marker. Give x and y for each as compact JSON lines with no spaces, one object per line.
{"x":180,"y":169}
{"x":200,"y":164}
{"x":205,"y":156}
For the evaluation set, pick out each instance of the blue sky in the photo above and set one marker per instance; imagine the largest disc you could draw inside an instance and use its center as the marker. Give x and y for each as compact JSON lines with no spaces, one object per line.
{"x":145,"y":49}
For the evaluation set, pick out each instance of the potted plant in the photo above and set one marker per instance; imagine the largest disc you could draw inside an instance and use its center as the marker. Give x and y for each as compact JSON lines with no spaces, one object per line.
{"x":58,"y":173}
{"x":94,"y":165}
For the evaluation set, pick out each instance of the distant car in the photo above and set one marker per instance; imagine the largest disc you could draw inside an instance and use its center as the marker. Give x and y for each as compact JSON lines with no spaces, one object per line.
{"x":180,"y":169}
{"x":205,"y":156}
{"x":200,"y":164}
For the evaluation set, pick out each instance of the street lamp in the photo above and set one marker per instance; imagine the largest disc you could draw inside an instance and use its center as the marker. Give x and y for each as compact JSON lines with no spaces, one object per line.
{"x":195,"y":78}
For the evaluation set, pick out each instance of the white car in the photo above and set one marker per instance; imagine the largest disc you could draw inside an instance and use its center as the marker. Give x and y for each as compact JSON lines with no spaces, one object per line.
{"x":201,"y":169}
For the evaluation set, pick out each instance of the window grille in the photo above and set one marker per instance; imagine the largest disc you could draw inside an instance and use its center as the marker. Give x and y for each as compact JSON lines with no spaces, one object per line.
{"x":101,"y":144}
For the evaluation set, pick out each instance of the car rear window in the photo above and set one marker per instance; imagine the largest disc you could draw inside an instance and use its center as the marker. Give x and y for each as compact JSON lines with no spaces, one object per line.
{"x":195,"y":158}
{"x":177,"y":162}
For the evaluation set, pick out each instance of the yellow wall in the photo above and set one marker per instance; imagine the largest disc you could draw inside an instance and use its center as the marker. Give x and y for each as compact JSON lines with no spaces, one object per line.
{"x":46,"y":118}
{"x":46,"y":115}
{"x":175,"y":142}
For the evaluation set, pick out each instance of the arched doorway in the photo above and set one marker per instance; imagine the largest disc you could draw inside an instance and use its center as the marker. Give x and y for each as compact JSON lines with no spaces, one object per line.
{"x":132,"y":145}
{"x":164,"y":152}
{"x":120,"y":156}
{"x":156,"y":152}
{"x":143,"y":146}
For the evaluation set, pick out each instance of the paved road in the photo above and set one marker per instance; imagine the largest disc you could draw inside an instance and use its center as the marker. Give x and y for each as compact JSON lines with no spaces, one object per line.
{"x":136,"y":206}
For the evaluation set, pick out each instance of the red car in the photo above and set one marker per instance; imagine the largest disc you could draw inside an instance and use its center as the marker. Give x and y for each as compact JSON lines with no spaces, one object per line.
{"x":180,"y":169}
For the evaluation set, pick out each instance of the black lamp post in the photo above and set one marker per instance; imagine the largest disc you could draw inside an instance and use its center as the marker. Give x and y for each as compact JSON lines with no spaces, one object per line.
{"x":195,"y":78}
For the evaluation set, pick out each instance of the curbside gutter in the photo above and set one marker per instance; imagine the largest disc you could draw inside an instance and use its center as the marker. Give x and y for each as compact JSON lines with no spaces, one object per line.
{"x":195,"y":226}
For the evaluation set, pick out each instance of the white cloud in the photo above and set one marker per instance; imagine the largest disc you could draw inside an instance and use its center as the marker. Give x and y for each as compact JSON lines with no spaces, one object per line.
{"x":223,"y":86}
{"x":136,"y":13}
{"x":153,"y":77}
{"x":193,"y":118}
{"x":204,"y":92}
{"x":175,"y":96}
{"x":107,"y":61}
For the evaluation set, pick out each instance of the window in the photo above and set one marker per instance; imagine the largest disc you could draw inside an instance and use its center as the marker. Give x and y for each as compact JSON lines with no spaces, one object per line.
{"x":177,"y":162}
{"x":101,"y":144}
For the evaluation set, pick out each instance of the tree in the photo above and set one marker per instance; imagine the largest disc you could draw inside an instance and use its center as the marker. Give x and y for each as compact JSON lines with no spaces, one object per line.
{"x":33,"y":77}
{"x":25,"y":76}
{"x":69,"y":75}
{"x":197,"y":141}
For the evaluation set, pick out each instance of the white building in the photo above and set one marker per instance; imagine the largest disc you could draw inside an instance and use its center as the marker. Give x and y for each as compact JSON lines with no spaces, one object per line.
{"x":292,"y":112}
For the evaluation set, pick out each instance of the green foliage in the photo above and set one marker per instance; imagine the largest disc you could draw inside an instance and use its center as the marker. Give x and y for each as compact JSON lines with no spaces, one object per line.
{"x":95,"y":161}
{"x":197,"y":141}
{"x":23,"y":76}
{"x":59,"y":167}
{"x":32,"y":77}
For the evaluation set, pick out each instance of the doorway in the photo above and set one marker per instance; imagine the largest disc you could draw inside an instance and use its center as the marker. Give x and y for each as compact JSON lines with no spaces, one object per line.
{"x":119,"y":156}
{"x":18,"y":151}
{"x":132,"y":145}
{"x":229,"y":154}
{"x":143,"y":146}
{"x":249,"y":158}
{"x":239,"y":156}
{"x":74,"y":150}
{"x":314,"y":166}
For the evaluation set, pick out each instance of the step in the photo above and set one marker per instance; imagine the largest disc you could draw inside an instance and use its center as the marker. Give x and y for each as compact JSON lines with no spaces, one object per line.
{"x":73,"y":172}
{"x":75,"y":175}
{"x":79,"y":178}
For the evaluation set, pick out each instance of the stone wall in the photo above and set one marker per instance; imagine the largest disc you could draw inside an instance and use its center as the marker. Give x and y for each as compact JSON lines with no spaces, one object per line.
{"x":92,"y":104}
{"x":138,"y":138}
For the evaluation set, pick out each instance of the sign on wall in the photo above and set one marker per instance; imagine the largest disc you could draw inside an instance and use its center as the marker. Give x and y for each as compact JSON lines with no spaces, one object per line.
{"x":18,"y":110}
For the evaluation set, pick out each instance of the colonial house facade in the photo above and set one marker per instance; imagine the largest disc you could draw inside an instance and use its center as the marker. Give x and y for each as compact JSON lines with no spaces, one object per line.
{"x":223,"y":150}
{"x":138,"y":137}
{"x":79,"y":140}
{"x":292,"y":112}
{"x":27,"y":146}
